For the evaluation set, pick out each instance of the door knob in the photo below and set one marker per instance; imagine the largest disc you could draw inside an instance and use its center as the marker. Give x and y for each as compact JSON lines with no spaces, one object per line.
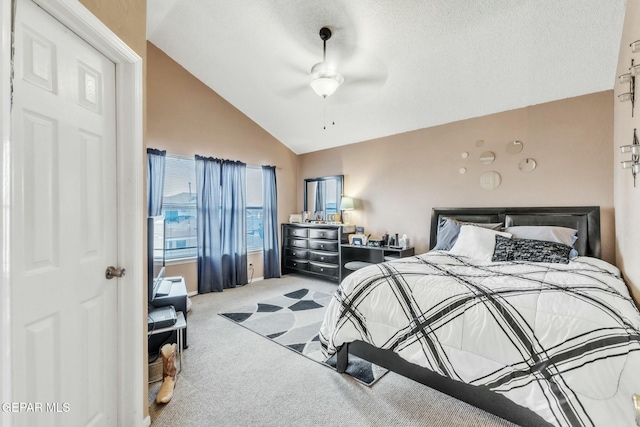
{"x":114,"y":272}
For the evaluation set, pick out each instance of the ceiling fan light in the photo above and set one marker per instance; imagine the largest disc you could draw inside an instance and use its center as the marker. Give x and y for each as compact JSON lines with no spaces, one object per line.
{"x":324,"y":79}
{"x":324,"y":86}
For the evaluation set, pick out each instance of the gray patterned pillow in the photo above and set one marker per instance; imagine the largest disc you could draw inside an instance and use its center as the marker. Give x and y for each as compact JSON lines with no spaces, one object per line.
{"x":530,"y":250}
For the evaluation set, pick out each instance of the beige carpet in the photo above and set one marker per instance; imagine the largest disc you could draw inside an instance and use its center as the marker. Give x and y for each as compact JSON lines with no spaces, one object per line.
{"x":234,"y":377}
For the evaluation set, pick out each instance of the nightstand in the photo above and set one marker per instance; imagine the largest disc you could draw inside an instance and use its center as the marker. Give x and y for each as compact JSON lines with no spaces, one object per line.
{"x":355,"y":257}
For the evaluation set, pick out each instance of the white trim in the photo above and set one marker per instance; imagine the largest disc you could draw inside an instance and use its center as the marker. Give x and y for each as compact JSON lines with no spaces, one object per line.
{"x":5,"y":220}
{"x":146,"y":422}
{"x":130,"y":148}
{"x":256,"y":279}
{"x":192,"y":293}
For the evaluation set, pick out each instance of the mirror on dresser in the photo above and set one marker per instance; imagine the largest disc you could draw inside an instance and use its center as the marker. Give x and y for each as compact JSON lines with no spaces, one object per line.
{"x":322,"y":196}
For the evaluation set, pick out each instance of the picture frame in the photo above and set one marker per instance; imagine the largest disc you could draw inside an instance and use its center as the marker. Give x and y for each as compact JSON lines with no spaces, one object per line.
{"x":357,"y":241}
{"x":359,"y":230}
{"x":318,"y":215}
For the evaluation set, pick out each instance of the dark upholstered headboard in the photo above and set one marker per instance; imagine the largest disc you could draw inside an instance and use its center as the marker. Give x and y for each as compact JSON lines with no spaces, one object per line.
{"x":585,"y":219}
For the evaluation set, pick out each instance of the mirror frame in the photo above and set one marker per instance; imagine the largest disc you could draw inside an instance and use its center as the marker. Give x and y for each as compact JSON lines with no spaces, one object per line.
{"x":339,"y":189}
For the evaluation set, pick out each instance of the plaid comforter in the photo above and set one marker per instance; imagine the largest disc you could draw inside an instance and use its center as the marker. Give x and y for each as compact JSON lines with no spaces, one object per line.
{"x":560,"y":339}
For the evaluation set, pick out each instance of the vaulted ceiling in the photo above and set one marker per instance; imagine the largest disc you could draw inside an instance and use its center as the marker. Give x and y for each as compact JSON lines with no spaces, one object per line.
{"x":407,"y":64}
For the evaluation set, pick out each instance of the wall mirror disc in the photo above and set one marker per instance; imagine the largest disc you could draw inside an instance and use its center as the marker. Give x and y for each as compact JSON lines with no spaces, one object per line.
{"x":514,"y":147}
{"x":464,"y":155}
{"x":487,"y":157}
{"x":527,"y":165}
{"x":462,"y":171}
{"x":490,"y":180}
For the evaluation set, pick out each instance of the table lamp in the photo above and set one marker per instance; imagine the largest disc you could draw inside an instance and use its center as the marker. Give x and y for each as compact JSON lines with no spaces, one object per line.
{"x":346,"y":204}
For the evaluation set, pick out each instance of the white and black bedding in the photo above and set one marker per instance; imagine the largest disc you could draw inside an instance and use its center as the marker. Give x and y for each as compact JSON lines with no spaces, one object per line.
{"x":562,"y":339}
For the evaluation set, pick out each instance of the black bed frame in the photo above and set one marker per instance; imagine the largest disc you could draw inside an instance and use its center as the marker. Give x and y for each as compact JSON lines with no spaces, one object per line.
{"x":584,"y":219}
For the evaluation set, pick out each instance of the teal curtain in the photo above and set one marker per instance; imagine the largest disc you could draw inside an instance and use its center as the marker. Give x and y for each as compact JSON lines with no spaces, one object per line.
{"x":222,"y":230}
{"x":270,"y":245}
{"x":208,"y":189}
{"x":155,"y":180}
{"x":321,"y":198}
{"x":234,"y":224}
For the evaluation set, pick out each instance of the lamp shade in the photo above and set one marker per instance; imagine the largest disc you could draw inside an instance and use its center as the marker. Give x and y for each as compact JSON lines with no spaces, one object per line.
{"x":324,"y":79}
{"x":624,"y":78}
{"x":623,"y":97}
{"x":324,"y":86}
{"x":346,"y":204}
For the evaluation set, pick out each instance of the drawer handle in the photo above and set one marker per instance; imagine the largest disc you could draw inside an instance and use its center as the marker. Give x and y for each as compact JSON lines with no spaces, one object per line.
{"x":294,"y":254}
{"x":295,"y":265}
{"x":322,"y":269}
{"x":322,"y":234}
{"x":322,"y":246}
{"x":321,"y":258}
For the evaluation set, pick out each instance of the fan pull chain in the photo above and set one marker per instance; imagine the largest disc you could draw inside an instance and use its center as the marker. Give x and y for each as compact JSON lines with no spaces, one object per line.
{"x":324,"y":113}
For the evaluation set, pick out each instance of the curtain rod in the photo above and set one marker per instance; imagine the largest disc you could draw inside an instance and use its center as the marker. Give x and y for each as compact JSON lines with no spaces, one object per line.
{"x":183,"y":157}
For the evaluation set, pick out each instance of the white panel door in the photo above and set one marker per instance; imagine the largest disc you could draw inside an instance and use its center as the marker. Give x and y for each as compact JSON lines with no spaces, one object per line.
{"x":64,"y":310}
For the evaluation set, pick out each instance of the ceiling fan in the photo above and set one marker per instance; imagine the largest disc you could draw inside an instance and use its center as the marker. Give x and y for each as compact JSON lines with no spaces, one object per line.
{"x":324,"y":78}
{"x":358,"y":74}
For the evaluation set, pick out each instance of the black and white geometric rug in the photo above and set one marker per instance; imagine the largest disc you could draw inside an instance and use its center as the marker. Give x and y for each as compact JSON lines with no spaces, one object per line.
{"x":293,"y":320}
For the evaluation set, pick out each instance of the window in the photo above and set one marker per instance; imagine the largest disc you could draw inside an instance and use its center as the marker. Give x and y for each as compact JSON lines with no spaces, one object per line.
{"x":179,"y":207}
{"x":180,"y":210}
{"x":254,"y":208}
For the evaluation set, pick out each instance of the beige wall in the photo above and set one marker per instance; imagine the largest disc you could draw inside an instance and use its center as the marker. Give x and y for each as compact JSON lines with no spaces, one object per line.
{"x":399,"y":179}
{"x":627,"y":198}
{"x":185,"y":117}
{"x":189,"y":270}
{"x":126,"y":18}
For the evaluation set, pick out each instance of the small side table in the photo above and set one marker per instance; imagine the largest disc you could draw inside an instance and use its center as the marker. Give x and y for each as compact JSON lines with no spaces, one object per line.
{"x":180,"y":324}
{"x":360,"y":256}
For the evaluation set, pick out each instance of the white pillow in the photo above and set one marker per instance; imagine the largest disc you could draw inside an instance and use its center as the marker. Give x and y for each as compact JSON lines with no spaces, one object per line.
{"x":562,"y":235}
{"x":476,"y":242}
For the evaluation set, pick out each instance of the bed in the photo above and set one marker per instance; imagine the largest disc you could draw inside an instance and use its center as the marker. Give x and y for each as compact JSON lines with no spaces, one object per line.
{"x":538,"y":333}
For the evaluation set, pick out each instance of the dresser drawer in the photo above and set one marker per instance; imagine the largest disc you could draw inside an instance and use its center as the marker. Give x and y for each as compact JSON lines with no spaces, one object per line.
{"x":297,"y":232}
{"x":323,"y":234}
{"x":296,"y":253}
{"x":326,"y":269}
{"x":297,"y":243}
{"x":328,"y":257}
{"x":322,"y":245}
{"x":297,"y":264}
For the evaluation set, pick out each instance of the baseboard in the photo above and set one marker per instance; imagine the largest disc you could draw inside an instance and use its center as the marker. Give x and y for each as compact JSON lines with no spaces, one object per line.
{"x":147,"y":421}
{"x":255,"y":279}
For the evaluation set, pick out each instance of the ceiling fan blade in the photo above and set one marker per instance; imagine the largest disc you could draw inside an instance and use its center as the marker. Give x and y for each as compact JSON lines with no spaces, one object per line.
{"x":360,"y":87}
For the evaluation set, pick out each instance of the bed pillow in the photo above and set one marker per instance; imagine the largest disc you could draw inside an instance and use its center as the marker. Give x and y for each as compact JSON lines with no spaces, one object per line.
{"x":447,"y":234}
{"x":566,"y":236}
{"x":449,"y":229}
{"x":477,"y":242}
{"x":530,"y":250}
{"x":562,"y":235}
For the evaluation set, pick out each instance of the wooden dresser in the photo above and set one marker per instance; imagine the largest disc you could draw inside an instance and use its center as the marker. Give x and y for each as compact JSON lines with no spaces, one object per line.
{"x":313,"y":249}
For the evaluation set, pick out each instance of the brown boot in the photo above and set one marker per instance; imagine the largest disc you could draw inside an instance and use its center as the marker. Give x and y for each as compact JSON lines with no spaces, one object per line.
{"x":168,"y":352}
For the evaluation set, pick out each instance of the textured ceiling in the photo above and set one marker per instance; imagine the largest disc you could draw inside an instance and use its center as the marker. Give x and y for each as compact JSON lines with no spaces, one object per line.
{"x":407,"y":64}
